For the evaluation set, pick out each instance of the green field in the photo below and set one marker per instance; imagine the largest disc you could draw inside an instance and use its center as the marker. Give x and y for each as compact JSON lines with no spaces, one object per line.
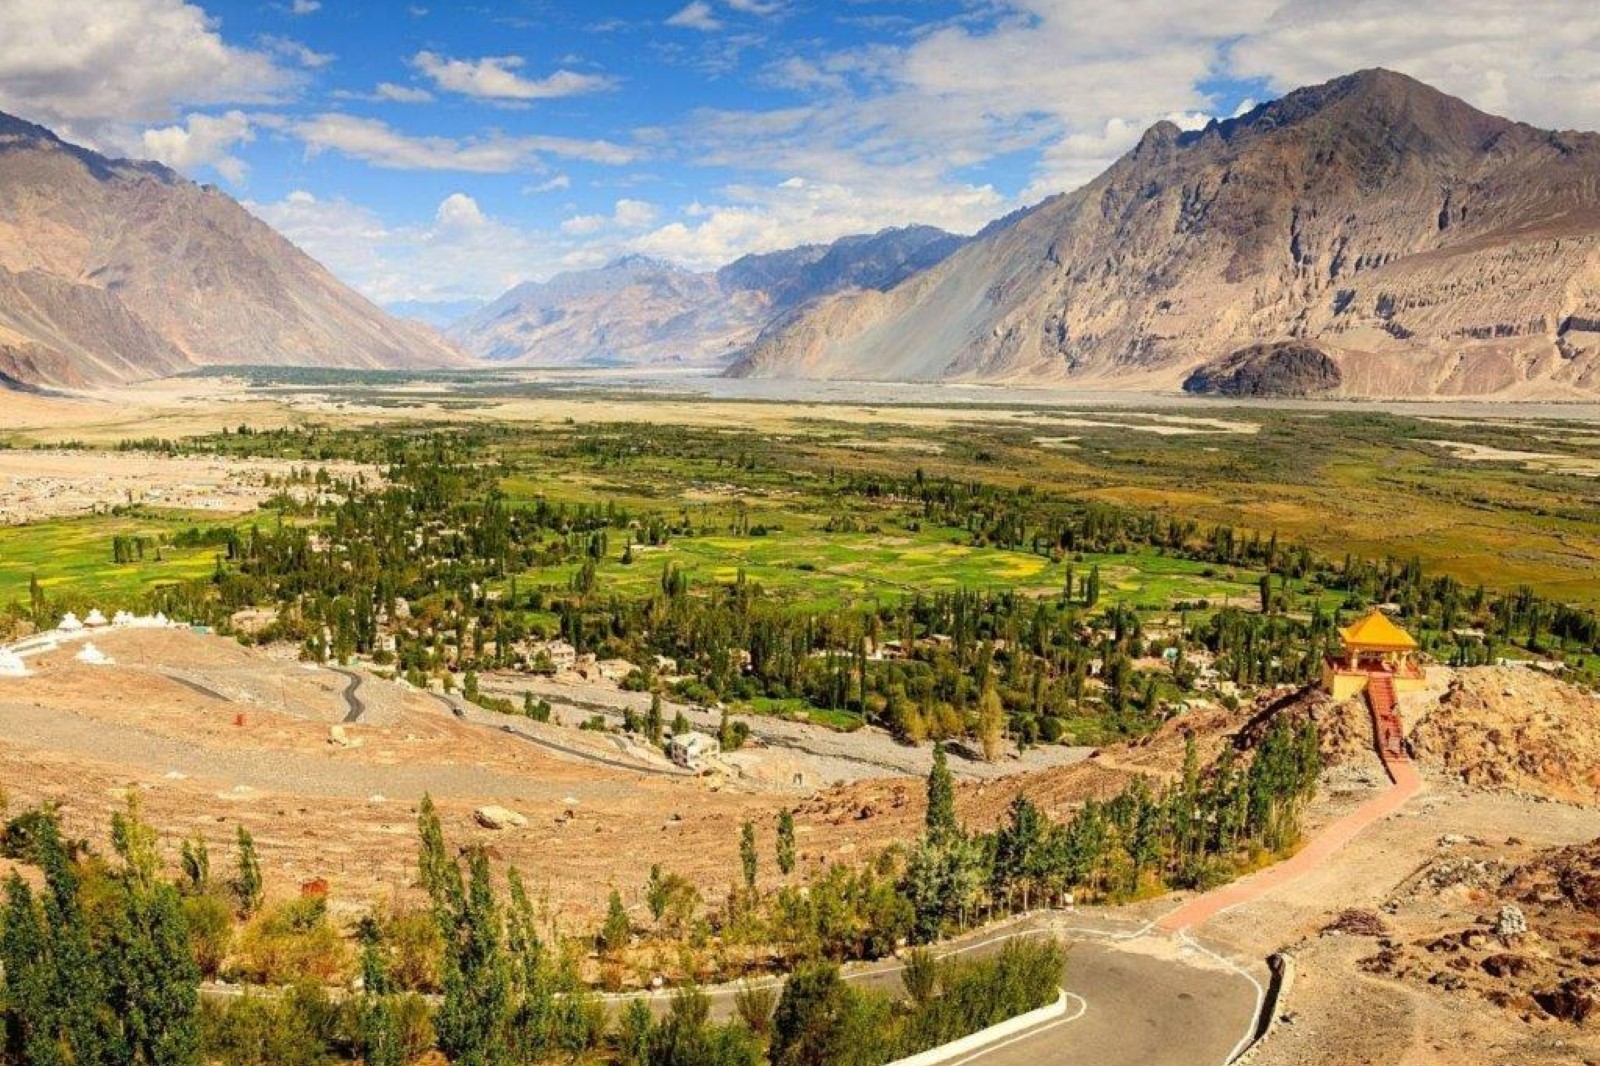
{"x":72,"y":558}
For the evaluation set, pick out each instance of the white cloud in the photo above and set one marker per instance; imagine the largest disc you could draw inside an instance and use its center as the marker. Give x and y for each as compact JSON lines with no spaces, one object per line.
{"x":402,"y":94}
{"x":555,"y":184}
{"x":376,"y":142}
{"x":202,"y":141}
{"x":461,"y":252}
{"x":387,"y":92}
{"x":296,"y":51}
{"x":696,"y":16}
{"x":304,"y":7}
{"x":797,"y":211}
{"x":756,"y":7}
{"x":1531,"y":60}
{"x":626,"y":215}
{"x":496,"y":78}
{"x":84,"y":66}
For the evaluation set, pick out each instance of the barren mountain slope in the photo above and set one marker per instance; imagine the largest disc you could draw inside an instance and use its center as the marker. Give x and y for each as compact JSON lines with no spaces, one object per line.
{"x":1425,"y":247}
{"x":113,"y":270}
{"x":633,"y":311}
{"x":641,"y":312}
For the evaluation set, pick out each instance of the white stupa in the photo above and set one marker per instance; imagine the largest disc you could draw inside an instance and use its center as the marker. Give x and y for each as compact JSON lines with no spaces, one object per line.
{"x":122,"y":618}
{"x":96,"y":620}
{"x":161,"y":619}
{"x":11,"y":664}
{"x":69,"y":623}
{"x":93,"y":655}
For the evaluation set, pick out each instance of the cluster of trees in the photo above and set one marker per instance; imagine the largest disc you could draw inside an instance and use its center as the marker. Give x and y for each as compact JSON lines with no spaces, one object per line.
{"x":440,"y":537}
{"x":98,"y":968}
{"x":1195,"y":832}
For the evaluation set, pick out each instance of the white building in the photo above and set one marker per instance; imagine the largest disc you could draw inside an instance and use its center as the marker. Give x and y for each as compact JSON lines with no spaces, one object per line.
{"x":692,"y":749}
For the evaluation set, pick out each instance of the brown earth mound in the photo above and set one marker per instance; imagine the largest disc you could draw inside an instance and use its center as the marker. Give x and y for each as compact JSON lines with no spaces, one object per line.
{"x":1569,"y":877}
{"x":1534,"y":947}
{"x":1516,"y":729}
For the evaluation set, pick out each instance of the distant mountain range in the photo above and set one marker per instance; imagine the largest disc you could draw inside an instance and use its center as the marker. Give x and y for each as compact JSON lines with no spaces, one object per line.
{"x":1367,"y":237}
{"x":113,"y":271}
{"x":638,"y":311}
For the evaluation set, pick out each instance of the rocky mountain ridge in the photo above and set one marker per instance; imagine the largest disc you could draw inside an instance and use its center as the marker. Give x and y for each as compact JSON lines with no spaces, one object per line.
{"x":115,"y":270}
{"x":1367,"y":237}
{"x":638,"y":311}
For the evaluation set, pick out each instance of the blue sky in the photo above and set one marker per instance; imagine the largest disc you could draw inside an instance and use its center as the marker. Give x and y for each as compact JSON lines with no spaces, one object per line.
{"x":436,"y":152}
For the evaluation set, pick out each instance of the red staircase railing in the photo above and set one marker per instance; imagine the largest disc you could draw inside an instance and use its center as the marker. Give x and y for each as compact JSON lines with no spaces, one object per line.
{"x":1382,"y":698}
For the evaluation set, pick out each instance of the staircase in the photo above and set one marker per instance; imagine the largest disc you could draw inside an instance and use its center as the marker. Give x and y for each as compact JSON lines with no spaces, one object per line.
{"x":1381,"y":697}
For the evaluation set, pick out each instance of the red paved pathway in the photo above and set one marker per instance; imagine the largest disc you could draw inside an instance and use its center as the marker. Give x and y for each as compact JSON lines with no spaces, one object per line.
{"x":1407,"y":783}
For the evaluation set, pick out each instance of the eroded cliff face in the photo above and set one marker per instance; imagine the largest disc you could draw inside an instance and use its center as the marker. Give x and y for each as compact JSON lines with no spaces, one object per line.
{"x":1425,"y":247}
{"x":112,"y":270}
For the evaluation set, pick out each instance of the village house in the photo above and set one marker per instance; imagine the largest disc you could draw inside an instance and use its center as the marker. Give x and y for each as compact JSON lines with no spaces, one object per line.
{"x":691,"y":750}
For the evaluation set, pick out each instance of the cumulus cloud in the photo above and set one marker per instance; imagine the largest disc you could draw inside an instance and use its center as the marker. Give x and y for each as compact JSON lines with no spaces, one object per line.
{"x":304,"y":7}
{"x":696,"y":16}
{"x":1531,"y":60}
{"x":144,"y":61}
{"x":461,"y":252}
{"x":202,"y":141}
{"x":798,"y":211}
{"x":626,"y":215}
{"x":376,"y":142}
{"x":497,"y":78}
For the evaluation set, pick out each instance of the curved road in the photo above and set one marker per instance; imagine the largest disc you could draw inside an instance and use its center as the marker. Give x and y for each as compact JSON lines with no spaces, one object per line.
{"x":354,"y":708}
{"x":576,"y":753}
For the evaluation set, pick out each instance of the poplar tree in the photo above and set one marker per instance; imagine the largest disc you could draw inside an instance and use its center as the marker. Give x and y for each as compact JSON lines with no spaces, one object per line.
{"x":747,"y":854}
{"x":247,"y":878}
{"x":785,"y":847}
{"x":941,"y":817}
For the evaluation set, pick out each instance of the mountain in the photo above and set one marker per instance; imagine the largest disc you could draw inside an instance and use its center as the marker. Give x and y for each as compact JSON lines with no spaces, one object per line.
{"x":1370,"y":236}
{"x":635,"y":311}
{"x":113,"y":270}
{"x":643,"y":312}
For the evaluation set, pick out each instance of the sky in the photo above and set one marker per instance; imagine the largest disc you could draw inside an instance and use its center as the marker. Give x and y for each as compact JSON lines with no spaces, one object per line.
{"x":432,"y":153}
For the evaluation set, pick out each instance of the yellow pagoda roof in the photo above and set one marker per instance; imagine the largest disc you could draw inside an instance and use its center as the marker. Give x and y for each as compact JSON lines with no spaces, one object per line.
{"x":1376,"y":633}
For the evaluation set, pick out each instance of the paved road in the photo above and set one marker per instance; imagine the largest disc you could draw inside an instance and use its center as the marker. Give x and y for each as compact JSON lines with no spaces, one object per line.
{"x":506,"y":724}
{"x":1406,"y":784}
{"x":354,"y":708}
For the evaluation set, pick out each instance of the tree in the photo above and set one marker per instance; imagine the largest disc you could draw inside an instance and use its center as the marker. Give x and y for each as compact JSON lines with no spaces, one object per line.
{"x":153,"y":979}
{"x":652,"y":720}
{"x":807,"y":1027}
{"x":941,"y":817}
{"x":477,"y":987}
{"x":617,"y":929}
{"x":991,"y":722}
{"x":747,"y":854}
{"x":247,"y":877}
{"x":195,"y":858}
{"x":785,"y":846}
{"x":1091,"y":587}
{"x":920,"y":976}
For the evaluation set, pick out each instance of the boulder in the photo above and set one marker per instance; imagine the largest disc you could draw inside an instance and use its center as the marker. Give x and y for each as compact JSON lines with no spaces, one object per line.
{"x":498,"y":818}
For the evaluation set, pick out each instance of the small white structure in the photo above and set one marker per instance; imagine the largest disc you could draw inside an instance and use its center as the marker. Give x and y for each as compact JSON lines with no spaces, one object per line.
{"x":122,"y":618}
{"x":692,"y":749}
{"x":69,"y":623}
{"x":11,"y":664}
{"x":95,"y":620}
{"x":92,"y":655}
